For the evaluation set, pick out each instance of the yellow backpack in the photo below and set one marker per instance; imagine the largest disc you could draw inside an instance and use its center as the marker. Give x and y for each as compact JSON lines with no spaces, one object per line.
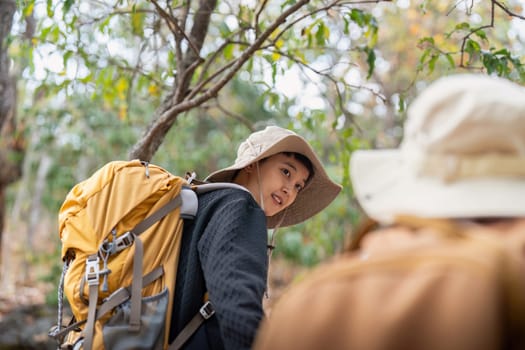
{"x":121,"y":231}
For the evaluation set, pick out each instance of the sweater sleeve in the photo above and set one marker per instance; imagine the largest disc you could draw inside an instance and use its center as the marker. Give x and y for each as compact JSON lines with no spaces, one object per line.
{"x":233,"y":257}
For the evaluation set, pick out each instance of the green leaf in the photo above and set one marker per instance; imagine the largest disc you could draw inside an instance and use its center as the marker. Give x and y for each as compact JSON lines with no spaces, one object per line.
{"x":503,"y":52}
{"x":44,"y":33}
{"x":358,"y":17}
{"x":67,"y":55}
{"x":224,"y":29}
{"x":462,"y":26}
{"x":346,"y":28}
{"x":104,"y":24}
{"x":86,"y":79}
{"x":481,"y":34}
{"x":371,"y":60}
{"x":228,"y":52}
{"x":472,"y":46}
{"x":309,"y":40}
{"x":371,"y":34}
{"x":402,"y":104}
{"x":426,"y":41}
{"x":67,"y":5}
{"x":28,"y":9}
{"x":424,"y":56}
{"x":54,"y":34}
{"x":49,"y":8}
{"x":473,"y":49}
{"x":137,"y":23}
{"x":432,"y":63}
{"x":450,"y":60}
{"x":322,"y":34}
{"x":287,"y":3}
{"x":347,"y":133}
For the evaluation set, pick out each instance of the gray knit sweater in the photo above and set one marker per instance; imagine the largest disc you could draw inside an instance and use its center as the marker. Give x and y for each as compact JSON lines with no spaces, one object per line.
{"x":223,"y":253}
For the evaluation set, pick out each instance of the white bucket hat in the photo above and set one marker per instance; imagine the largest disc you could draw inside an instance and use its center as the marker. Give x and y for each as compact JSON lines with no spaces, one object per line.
{"x":462,"y":156}
{"x":318,"y":193}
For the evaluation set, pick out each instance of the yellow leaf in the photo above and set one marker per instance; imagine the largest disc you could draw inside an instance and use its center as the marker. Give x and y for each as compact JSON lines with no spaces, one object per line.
{"x":29,"y":10}
{"x":153,"y":90}
{"x":306,"y":31}
{"x":123,"y":112}
{"x":121,"y":88}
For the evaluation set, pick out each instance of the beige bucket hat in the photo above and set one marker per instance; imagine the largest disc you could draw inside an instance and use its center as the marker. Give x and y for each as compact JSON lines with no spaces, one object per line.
{"x":320,"y":190}
{"x":462,"y":156}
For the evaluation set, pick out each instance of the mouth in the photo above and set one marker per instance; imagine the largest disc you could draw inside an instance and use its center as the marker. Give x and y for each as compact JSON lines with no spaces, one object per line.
{"x":278,"y":200}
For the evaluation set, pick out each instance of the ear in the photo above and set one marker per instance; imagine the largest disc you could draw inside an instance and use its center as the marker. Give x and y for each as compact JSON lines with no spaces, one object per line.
{"x":249,"y":168}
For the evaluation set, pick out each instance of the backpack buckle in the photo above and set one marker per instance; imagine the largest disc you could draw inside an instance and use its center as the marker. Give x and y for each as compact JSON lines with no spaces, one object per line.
{"x":123,"y":241}
{"x":207,"y":310}
{"x":92,"y":270}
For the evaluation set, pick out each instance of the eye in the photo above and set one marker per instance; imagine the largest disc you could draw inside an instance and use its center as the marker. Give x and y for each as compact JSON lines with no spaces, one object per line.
{"x":286,"y":172}
{"x":298,"y":188}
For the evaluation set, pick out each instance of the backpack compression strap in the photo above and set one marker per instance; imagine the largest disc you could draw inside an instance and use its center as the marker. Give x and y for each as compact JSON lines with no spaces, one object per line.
{"x":118,"y":297}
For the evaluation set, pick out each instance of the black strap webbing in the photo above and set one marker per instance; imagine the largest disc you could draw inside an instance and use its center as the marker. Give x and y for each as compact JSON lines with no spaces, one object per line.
{"x":204,"y":313}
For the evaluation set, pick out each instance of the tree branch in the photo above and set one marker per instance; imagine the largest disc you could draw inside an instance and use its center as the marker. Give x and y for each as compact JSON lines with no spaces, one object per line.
{"x":148,"y":145}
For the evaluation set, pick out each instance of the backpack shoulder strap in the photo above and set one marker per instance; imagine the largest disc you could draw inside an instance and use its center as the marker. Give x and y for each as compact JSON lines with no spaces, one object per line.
{"x":212,"y":186}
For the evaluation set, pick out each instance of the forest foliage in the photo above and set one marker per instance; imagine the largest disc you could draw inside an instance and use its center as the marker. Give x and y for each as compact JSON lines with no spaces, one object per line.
{"x":106,"y":80}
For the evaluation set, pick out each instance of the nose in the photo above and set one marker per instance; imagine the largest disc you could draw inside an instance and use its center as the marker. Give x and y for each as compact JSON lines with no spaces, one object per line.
{"x":286,"y":192}
{"x":289,"y":195}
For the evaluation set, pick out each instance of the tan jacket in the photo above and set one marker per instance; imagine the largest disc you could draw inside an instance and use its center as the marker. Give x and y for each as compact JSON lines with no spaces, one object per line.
{"x":433,"y":285}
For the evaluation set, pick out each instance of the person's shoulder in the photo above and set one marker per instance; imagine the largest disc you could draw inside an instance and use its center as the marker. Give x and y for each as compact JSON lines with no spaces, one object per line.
{"x":230,"y":203}
{"x":225,"y":193}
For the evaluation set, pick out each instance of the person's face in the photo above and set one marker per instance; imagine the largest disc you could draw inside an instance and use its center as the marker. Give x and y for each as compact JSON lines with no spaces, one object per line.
{"x":282,"y":178}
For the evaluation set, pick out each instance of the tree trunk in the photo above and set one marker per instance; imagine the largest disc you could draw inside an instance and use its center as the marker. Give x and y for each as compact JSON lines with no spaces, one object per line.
{"x":11,"y":141}
{"x":166,"y":115}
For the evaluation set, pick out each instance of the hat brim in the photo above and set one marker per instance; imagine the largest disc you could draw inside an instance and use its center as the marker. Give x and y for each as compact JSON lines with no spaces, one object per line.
{"x":318,"y":194}
{"x":386,"y":187}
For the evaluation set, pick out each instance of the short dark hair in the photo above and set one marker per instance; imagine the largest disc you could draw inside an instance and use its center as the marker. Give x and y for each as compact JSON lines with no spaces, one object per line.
{"x":304,"y":160}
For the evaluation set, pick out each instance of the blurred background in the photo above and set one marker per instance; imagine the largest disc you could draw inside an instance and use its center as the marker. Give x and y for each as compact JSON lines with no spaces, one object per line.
{"x":182,"y":83}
